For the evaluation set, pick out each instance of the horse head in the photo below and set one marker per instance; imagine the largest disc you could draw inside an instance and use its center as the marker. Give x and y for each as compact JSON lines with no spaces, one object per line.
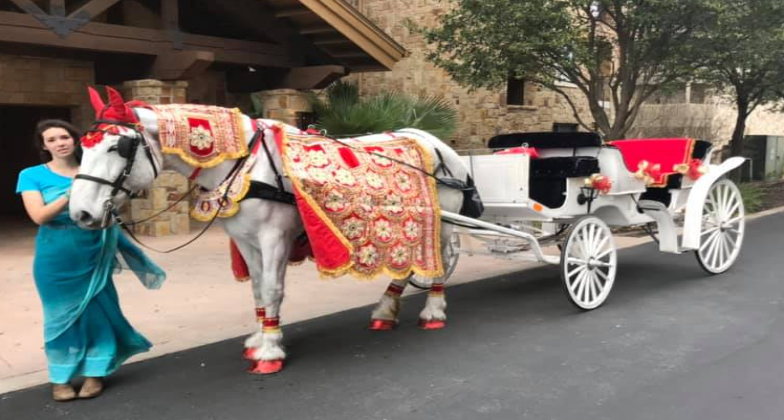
{"x":117,"y":160}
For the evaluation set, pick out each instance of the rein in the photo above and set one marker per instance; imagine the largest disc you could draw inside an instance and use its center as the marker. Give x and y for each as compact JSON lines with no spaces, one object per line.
{"x":232,"y":175}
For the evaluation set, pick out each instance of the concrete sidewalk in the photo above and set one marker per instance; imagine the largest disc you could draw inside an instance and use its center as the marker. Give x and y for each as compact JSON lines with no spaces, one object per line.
{"x":199,"y":304}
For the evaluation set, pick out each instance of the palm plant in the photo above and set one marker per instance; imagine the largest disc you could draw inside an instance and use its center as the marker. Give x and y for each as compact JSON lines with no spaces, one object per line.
{"x":341,"y":112}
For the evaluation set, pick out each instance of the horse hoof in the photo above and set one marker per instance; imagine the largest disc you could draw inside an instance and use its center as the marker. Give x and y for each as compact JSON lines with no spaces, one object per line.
{"x":266,"y":367}
{"x":248,"y":353}
{"x":433,"y":324}
{"x":382,"y":324}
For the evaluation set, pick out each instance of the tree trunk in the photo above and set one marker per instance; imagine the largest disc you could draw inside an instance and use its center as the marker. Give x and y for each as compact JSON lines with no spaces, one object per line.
{"x":736,"y":144}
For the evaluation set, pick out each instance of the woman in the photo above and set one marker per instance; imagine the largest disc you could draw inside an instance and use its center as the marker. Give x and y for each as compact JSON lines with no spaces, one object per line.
{"x":85,"y":332}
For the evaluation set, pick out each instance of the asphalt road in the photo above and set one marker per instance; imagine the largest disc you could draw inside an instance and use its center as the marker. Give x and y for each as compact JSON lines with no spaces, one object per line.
{"x":671,"y":343}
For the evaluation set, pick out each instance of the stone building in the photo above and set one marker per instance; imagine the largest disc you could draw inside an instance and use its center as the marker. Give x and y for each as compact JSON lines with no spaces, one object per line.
{"x":694,"y":111}
{"x":482,"y":113}
{"x":169,"y":51}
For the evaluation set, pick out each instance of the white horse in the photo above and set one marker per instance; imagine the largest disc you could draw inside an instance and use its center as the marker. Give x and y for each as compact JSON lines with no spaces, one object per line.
{"x":263,"y":230}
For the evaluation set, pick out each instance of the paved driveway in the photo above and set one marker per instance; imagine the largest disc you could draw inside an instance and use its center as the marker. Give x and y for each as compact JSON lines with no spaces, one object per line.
{"x":671,"y":343}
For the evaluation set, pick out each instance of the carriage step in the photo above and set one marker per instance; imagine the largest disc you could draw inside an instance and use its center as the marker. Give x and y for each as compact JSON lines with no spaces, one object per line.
{"x":668,"y":236}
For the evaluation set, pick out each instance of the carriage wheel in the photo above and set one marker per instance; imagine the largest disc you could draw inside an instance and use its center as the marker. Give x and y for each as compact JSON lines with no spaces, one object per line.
{"x":453,"y":253}
{"x":723,"y":224}
{"x":588,"y":263}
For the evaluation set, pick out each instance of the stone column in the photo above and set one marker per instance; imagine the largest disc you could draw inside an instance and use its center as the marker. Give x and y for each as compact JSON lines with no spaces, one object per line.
{"x":169,"y":186}
{"x":285,"y":105}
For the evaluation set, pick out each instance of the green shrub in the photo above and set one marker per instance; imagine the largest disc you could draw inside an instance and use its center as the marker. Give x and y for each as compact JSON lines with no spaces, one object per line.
{"x":752,"y":196}
{"x":342,"y":113}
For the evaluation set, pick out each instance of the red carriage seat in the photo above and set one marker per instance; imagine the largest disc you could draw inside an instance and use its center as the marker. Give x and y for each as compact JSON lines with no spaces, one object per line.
{"x":666,"y":153}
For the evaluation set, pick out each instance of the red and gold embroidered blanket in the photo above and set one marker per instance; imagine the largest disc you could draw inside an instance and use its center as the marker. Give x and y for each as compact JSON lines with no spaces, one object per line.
{"x":365,"y":214}
{"x":201,"y":135}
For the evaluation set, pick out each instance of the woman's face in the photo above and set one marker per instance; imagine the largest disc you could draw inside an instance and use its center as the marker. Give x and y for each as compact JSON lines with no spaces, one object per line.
{"x":58,"y":142}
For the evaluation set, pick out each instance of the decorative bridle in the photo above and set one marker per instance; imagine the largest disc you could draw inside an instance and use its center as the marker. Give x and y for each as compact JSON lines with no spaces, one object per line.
{"x":126,"y":147}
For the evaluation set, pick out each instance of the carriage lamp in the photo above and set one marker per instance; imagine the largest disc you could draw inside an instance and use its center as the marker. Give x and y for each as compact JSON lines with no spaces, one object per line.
{"x":587,"y":195}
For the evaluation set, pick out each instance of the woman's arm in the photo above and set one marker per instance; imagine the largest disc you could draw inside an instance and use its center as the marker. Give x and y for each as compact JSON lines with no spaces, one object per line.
{"x":40,"y":212}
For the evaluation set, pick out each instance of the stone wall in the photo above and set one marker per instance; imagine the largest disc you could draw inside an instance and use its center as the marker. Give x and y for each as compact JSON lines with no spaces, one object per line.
{"x":169,"y":186}
{"x":285,"y":105}
{"x":48,"y":82}
{"x":482,"y":113}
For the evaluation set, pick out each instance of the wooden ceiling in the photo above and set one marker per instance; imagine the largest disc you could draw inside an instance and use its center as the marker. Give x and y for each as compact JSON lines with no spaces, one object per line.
{"x":311,"y":39}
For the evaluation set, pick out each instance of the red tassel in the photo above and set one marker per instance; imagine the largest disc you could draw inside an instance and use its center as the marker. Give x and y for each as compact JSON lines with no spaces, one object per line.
{"x":238,"y":265}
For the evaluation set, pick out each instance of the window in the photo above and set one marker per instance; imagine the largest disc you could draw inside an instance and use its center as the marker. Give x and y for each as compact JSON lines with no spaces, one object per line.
{"x":564,"y":128}
{"x":515,"y":91}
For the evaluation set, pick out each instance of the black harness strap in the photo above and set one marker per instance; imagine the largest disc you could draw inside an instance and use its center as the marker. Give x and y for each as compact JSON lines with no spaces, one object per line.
{"x":264,"y":191}
{"x":278,"y":178}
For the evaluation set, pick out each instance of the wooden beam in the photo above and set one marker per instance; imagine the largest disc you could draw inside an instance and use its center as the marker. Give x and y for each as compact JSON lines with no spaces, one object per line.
{"x":179,"y":65}
{"x":315,"y":30}
{"x":332,"y":41}
{"x":358,"y":28}
{"x":170,"y":14}
{"x":254,"y":16}
{"x":57,"y":8}
{"x":313,"y":77}
{"x":92,"y":9}
{"x":24,"y":29}
{"x":349,"y":54}
{"x":286,"y":13}
{"x":29,"y":7}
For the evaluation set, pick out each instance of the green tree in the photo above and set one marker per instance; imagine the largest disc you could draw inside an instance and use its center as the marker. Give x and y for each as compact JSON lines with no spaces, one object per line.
{"x":341,"y":112}
{"x":743,"y":52}
{"x":616,"y":52}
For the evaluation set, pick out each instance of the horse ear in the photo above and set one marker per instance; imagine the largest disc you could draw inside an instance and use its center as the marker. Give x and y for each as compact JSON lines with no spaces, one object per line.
{"x":121,"y":110}
{"x":96,"y":101}
{"x":116,"y":100}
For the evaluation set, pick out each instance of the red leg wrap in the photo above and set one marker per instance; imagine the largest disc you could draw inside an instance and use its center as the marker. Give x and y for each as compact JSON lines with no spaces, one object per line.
{"x":433,"y":324}
{"x":394,"y":290}
{"x":382,"y":324}
{"x":266,"y":367}
{"x":248,"y":353}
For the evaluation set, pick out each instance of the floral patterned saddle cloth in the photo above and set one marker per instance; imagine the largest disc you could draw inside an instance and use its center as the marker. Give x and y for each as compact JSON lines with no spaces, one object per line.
{"x":367,"y":210}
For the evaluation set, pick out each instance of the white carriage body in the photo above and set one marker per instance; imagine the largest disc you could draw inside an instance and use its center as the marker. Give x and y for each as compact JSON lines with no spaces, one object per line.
{"x":531,"y":203}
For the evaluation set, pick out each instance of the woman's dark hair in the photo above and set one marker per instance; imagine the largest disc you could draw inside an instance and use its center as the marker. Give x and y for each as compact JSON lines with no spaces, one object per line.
{"x":47,"y":124}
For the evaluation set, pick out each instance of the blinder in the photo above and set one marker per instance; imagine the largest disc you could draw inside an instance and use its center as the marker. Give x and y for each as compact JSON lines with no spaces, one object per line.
{"x":125,"y":146}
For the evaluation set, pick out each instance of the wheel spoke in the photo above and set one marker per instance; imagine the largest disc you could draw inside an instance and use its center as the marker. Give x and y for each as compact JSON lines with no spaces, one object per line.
{"x":710,"y":230}
{"x":603,"y":254}
{"x":604,"y":277}
{"x":711,"y":245}
{"x":731,"y":242}
{"x":577,"y":281}
{"x":588,"y":288}
{"x":709,"y":241}
{"x":597,"y":287}
{"x":734,"y":208}
{"x":573,"y":260}
{"x":715,"y":251}
{"x":580,"y":289}
{"x":605,"y":240}
{"x":602,"y":264}
{"x":572,"y":273}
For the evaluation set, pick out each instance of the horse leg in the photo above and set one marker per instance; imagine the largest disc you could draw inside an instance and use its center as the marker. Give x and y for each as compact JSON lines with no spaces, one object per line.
{"x":276,"y":246}
{"x":433,"y":316}
{"x":384,"y":316}
{"x":255,"y":267}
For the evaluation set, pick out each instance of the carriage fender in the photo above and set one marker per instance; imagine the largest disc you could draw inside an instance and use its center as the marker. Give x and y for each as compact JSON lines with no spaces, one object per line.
{"x":692,"y":223}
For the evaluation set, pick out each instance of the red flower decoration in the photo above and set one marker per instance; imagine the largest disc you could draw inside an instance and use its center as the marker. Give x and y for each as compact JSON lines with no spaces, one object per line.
{"x":599,"y":182}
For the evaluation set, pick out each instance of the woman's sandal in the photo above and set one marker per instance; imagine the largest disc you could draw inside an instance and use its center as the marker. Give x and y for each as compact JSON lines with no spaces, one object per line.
{"x":91,"y":388}
{"x":63,"y":392}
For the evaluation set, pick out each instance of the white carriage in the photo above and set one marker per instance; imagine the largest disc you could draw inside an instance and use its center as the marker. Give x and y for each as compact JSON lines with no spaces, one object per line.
{"x":532,"y":201}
